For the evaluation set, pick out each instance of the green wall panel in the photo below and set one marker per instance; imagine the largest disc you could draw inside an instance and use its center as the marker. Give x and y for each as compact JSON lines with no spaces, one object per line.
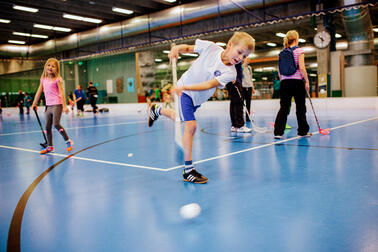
{"x":115,"y":67}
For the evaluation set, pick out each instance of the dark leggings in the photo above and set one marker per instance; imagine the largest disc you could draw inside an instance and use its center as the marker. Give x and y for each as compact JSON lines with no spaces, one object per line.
{"x":292,"y":88}
{"x":236,"y":104}
{"x":93,"y":101}
{"x":53,"y":114}
{"x":247,"y":93}
{"x":80,"y":105}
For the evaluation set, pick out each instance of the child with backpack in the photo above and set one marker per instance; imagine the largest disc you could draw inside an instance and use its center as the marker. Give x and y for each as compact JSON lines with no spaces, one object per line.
{"x":294,"y":83}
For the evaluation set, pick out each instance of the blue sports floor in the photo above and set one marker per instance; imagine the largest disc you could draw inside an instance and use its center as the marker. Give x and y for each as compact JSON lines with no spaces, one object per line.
{"x":121,"y":189}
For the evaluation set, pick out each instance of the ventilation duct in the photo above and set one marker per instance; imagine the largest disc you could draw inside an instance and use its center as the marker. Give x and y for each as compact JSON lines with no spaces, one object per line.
{"x":360,"y":35}
{"x":360,"y":73}
{"x":187,"y":13}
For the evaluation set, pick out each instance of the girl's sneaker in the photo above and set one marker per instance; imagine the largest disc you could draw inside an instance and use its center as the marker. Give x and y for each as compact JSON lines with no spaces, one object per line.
{"x":48,"y":149}
{"x":69,"y":144}
{"x":244,"y":129}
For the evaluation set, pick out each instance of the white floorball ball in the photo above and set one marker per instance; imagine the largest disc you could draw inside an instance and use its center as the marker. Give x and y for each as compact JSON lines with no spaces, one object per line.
{"x":130,"y":154}
{"x":190,"y":211}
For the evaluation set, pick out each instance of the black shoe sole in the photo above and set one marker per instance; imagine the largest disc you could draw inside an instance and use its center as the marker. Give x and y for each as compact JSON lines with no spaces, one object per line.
{"x":198,"y":182}
{"x":150,"y":122}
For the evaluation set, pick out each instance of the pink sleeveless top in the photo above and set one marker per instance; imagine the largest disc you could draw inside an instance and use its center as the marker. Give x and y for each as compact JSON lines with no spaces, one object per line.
{"x":51,"y":89}
{"x":297,"y":75}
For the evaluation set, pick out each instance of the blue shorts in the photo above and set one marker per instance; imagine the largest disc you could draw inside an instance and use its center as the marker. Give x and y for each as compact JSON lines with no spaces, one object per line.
{"x":187,"y":108}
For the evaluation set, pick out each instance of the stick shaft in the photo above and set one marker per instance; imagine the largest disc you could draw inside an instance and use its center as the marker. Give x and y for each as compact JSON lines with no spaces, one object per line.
{"x":174,"y":75}
{"x":313,"y":110}
{"x":40,"y":125}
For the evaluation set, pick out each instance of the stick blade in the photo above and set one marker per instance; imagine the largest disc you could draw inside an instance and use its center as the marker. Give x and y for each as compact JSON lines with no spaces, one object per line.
{"x":324,"y":131}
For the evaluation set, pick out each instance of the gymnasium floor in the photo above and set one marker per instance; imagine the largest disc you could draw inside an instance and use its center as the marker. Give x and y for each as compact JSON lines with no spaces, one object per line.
{"x":122,"y":188}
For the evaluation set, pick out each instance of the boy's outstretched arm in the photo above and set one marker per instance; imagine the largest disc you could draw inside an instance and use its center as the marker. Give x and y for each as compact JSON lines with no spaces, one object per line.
{"x":175,"y":50}
{"x":197,"y":87}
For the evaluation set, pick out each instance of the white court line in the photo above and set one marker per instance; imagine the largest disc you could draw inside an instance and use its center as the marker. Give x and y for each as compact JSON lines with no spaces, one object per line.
{"x":83,"y":127}
{"x":269,"y":144}
{"x":197,"y":162}
{"x":86,"y":159}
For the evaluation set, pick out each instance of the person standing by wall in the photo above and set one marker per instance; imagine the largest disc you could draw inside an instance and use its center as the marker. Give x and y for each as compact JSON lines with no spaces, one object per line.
{"x":92,"y":96}
{"x":27,"y":102}
{"x":276,"y":87}
{"x":79,"y":99}
{"x":20,"y":101}
{"x":248,"y":88}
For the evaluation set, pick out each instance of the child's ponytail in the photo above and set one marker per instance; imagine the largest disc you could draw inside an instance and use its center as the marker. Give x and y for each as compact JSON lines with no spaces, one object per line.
{"x":290,"y":37}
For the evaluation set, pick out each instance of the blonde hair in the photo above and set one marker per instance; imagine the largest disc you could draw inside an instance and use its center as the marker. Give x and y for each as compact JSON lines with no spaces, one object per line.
{"x":57,"y":67}
{"x":243,"y":38}
{"x":290,"y":37}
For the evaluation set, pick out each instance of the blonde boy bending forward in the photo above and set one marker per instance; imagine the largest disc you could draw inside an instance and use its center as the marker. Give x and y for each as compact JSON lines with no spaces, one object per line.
{"x":213,"y":68}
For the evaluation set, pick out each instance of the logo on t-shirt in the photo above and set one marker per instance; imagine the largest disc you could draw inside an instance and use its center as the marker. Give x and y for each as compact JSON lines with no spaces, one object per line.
{"x":217,"y":73}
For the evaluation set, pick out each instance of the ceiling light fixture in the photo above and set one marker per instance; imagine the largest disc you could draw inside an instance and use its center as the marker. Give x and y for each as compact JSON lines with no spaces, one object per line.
{"x":62,"y":29}
{"x":169,"y":1}
{"x":24,"y":8}
{"x":271,"y":44}
{"x":49,"y":27}
{"x":30,"y":35}
{"x":338,"y":35}
{"x":190,"y":54}
{"x":5,"y":21}
{"x":16,"y":42}
{"x":124,"y":11}
{"x":301,"y":40}
{"x":80,"y":18}
{"x":280,"y":34}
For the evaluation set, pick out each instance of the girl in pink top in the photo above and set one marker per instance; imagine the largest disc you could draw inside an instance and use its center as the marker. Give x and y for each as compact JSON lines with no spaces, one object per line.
{"x":291,"y":86}
{"x":51,"y":84}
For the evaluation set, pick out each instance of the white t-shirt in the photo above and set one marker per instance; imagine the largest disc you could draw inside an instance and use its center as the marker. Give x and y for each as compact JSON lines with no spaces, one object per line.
{"x":206,"y":67}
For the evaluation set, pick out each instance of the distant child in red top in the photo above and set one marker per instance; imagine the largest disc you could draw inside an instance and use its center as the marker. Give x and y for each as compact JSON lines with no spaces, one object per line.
{"x":51,"y":84}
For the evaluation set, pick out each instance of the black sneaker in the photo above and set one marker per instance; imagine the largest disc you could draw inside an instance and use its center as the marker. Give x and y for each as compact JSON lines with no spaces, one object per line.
{"x":153,"y":116}
{"x":194,"y":177}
